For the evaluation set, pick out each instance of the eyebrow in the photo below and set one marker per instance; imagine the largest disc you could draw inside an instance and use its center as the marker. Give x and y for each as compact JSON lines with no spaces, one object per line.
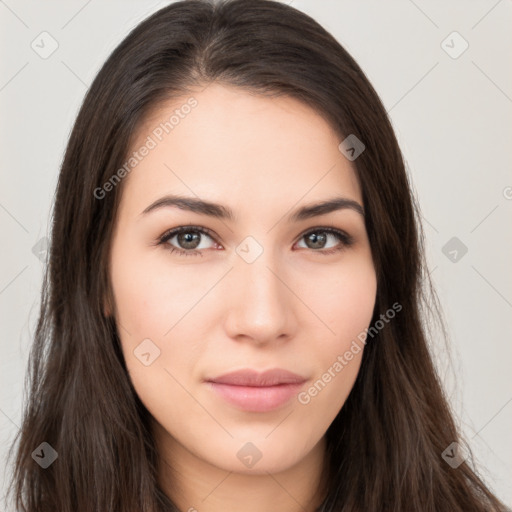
{"x":222,"y":212}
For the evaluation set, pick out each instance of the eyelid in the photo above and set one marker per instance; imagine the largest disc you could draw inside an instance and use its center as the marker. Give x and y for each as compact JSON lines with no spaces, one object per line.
{"x":346,"y":240}
{"x":170,"y":233}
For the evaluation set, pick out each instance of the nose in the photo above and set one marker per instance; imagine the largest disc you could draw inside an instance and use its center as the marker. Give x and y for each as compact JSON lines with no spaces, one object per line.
{"x":261,"y":307}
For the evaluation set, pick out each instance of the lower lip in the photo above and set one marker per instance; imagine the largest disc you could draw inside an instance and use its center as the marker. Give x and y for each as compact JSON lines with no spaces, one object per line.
{"x":257,"y":399}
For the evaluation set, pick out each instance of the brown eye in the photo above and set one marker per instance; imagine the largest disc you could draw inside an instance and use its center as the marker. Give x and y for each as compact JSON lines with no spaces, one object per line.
{"x":188,"y":240}
{"x":319,"y":238}
{"x":316,"y":240}
{"x":185,"y":240}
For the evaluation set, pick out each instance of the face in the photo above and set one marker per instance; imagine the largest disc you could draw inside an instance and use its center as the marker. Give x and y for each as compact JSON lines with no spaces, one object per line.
{"x":250,"y":284}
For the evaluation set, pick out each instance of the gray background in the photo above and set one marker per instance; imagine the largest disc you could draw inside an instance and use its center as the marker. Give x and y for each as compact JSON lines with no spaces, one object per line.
{"x":452,"y":117}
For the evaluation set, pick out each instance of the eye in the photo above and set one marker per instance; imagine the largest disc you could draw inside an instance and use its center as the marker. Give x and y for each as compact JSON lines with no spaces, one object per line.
{"x":317,"y":238}
{"x":188,"y":237}
{"x":189,"y":240}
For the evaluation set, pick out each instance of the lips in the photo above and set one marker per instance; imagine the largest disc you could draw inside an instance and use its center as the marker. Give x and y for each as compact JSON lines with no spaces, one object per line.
{"x":250,"y":377}
{"x":252,"y":391}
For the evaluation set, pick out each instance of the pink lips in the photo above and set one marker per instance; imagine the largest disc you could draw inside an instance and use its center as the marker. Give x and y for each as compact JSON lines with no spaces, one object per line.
{"x":257,"y":392}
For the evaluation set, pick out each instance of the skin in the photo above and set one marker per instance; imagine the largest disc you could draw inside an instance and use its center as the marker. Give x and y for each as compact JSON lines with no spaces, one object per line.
{"x":293,"y":307}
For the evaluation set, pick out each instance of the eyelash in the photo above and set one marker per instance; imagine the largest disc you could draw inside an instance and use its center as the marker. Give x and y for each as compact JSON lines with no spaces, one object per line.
{"x":345,"y":239}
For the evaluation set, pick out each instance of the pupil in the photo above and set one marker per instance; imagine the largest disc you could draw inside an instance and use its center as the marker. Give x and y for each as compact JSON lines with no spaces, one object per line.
{"x":185,"y":239}
{"x":317,"y":240}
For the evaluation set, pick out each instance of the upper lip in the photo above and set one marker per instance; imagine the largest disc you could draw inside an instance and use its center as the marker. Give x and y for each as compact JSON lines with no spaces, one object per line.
{"x":249,"y":377}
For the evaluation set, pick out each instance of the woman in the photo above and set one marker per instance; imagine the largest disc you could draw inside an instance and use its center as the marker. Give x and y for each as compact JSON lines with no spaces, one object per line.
{"x":231,"y":316}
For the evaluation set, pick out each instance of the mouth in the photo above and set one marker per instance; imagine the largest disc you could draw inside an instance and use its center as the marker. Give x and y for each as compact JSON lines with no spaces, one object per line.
{"x":251,"y":391}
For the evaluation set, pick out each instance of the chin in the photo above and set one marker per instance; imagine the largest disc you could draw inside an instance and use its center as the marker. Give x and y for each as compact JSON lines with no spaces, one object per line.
{"x":257,"y":457}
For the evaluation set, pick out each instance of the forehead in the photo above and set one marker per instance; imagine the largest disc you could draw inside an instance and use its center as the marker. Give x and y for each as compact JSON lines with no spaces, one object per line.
{"x":223,"y":143}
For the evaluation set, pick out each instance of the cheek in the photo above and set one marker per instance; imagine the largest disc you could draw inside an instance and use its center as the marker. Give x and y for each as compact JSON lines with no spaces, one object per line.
{"x":151,"y":295}
{"x":345,"y":302}
{"x":155,"y":334}
{"x":157,"y":307}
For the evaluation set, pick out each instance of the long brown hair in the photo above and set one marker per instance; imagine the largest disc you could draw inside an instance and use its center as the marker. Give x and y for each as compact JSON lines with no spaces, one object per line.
{"x":385,"y":446}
